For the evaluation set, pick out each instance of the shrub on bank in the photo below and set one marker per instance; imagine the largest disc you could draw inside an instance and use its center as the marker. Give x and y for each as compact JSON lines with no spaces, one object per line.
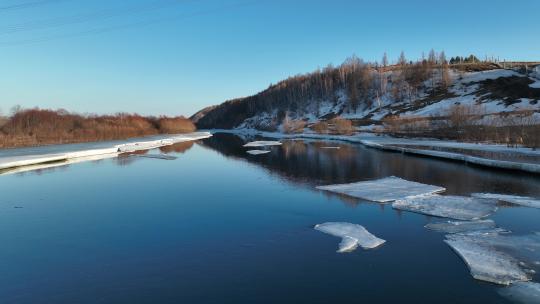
{"x":39,"y":127}
{"x":335,"y":125}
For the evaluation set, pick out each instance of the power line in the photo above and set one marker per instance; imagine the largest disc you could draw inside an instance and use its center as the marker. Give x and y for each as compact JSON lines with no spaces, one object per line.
{"x":124,"y":26}
{"x":98,"y":15}
{"x":27,"y":5}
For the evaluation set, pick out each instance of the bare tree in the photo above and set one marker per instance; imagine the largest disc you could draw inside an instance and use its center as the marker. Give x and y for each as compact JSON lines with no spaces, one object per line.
{"x":402,"y":61}
{"x":15,"y":109}
{"x":444,"y":71}
{"x":384,"y":60}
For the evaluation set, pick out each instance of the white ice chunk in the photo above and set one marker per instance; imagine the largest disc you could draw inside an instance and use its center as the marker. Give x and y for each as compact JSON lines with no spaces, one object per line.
{"x":257,"y":152}
{"x":383,"y":190}
{"x":262,"y":143}
{"x":347,"y":244}
{"x":455,"y":207}
{"x":522,"y":292}
{"x":352,"y":235}
{"x":485,"y":263}
{"x":461,"y":226}
{"x":498,"y":257}
{"x":330,"y":147}
{"x":514,"y":199}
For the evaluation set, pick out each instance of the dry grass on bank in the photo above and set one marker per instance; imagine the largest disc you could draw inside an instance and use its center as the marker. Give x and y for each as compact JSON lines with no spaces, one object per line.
{"x":470,"y":124}
{"x":41,"y":127}
{"x":293,"y":126}
{"x":335,"y":125}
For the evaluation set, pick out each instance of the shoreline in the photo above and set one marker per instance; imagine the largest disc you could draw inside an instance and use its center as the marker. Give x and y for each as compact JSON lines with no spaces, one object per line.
{"x":8,"y":163}
{"x":386,"y":143}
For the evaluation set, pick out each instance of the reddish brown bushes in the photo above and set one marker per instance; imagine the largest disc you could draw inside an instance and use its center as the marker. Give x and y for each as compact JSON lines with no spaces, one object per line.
{"x":39,"y":127}
{"x":335,"y":125}
{"x":293,"y":125}
{"x":175,"y":125}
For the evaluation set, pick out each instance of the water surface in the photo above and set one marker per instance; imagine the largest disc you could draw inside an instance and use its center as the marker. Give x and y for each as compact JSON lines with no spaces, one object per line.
{"x":217,"y":225}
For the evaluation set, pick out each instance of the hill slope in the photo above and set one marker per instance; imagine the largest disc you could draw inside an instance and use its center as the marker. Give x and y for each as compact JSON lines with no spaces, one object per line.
{"x":368,"y":95}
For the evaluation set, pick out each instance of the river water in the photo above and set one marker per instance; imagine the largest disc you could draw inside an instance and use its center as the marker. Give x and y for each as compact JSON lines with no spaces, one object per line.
{"x":217,"y":225}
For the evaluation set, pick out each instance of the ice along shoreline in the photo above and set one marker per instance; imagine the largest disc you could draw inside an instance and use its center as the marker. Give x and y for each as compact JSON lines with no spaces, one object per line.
{"x":387,"y":143}
{"x":17,"y":161}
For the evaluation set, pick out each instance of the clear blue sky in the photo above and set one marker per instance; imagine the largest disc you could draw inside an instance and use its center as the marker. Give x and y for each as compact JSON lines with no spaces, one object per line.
{"x":176,"y":56}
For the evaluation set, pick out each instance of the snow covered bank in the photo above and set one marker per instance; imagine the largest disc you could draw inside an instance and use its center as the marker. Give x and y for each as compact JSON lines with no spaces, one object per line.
{"x":10,"y":162}
{"x":486,"y":162}
{"x":352,"y":235}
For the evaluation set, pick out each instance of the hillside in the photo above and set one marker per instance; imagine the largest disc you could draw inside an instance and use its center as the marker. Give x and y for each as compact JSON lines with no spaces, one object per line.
{"x":372,"y":95}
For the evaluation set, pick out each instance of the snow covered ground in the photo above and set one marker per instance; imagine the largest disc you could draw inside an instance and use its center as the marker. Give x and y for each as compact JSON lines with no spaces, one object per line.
{"x":13,"y":160}
{"x":465,"y":90}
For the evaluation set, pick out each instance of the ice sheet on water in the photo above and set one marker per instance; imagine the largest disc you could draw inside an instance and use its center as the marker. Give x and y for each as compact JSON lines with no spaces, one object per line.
{"x":383,"y":190}
{"x":487,"y":264}
{"x":257,"y":152}
{"x":461,"y":226}
{"x":262,"y":143}
{"x":514,"y":199}
{"x":158,"y":156}
{"x":454,"y":207}
{"x":498,"y":257}
{"x":522,"y":292}
{"x":143,"y":145}
{"x":352,"y":235}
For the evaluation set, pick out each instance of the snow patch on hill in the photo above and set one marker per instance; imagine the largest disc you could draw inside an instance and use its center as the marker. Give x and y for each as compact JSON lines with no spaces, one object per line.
{"x":464,"y":90}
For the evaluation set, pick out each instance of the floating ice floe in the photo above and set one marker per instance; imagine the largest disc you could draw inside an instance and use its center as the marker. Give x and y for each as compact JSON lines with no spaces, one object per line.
{"x":143,"y":145}
{"x":522,"y":292}
{"x":461,"y":226}
{"x":497,"y":257}
{"x":352,"y":235}
{"x":262,"y":143}
{"x":383,"y":190}
{"x":454,"y":207}
{"x":330,"y":147}
{"x":158,"y":156}
{"x":257,"y":152}
{"x":513,"y":199}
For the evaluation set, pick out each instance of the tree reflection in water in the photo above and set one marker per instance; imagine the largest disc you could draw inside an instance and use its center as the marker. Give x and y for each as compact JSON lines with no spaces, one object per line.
{"x":306,"y":163}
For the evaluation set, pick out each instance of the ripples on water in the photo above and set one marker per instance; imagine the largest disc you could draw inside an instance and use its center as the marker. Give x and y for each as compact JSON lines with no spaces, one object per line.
{"x":218,"y":225}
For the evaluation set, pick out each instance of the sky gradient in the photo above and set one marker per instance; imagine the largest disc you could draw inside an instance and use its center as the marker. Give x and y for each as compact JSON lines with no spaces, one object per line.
{"x":174,"y":57}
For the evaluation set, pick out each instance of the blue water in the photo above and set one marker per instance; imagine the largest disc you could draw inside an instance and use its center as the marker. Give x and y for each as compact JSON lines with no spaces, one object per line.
{"x":219,"y":226}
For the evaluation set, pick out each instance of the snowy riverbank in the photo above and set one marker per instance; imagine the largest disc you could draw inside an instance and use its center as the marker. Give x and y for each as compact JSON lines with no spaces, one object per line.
{"x":15,"y":160}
